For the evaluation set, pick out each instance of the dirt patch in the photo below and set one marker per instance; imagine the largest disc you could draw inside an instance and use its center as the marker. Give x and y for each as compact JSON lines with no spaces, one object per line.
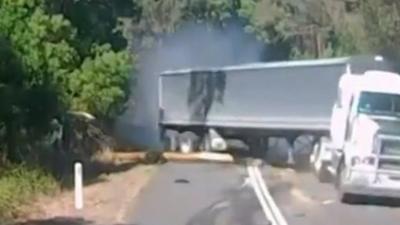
{"x":106,"y":201}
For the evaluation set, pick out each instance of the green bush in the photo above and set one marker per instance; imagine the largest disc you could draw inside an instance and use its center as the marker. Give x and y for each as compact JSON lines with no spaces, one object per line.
{"x":19,"y":184}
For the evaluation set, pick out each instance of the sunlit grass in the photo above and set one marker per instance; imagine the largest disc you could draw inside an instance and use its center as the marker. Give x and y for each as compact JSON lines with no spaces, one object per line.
{"x":19,"y":184}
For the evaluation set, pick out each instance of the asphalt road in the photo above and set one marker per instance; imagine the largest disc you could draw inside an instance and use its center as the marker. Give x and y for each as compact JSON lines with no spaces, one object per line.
{"x":212,"y":194}
{"x":198,"y":194}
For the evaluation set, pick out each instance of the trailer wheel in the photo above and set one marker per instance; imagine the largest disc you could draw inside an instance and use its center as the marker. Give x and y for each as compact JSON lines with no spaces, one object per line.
{"x":206,"y":143}
{"x":170,"y":140}
{"x":257,"y":147}
{"x":187,"y":142}
{"x":314,"y":154}
{"x":303,"y":146}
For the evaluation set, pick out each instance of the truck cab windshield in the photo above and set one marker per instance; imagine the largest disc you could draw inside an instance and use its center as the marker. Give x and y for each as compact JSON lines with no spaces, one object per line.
{"x":379,"y":104}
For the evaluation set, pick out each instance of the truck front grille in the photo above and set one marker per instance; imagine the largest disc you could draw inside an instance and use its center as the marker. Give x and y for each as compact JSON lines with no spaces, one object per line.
{"x":389,"y":154}
{"x":389,"y":164}
{"x":390,"y":147}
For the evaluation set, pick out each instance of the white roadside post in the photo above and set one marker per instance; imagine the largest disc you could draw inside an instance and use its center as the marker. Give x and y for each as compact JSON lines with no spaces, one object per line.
{"x":78,"y":177}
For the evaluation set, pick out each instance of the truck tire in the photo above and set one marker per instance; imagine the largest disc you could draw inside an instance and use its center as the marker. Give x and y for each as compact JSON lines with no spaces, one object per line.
{"x":187,"y":142}
{"x":257,"y":148}
{"x":303,"y":146}
{"x":319,"y":167}
{"x":170,"y":140}
{"x":343,"y":196}
{"x":322,"y":173}
{"x":206,"y":143}
{"x":315,"y":153}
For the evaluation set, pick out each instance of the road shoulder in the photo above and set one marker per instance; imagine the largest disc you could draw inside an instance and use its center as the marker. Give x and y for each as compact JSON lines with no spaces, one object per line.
{"x":106,"y":200}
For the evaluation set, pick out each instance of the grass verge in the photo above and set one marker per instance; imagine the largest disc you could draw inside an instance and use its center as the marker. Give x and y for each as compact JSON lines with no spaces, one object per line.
{"x":19,"y":184}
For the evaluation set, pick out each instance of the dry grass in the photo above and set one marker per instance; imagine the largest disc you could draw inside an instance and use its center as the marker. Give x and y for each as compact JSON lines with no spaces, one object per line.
{"x":19,"y":185}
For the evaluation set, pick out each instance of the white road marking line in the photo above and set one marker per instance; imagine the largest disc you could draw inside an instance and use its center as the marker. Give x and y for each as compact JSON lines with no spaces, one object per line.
{"x":263,"y":203}
{"x":269,"y":206}
{"x":270,"y":200}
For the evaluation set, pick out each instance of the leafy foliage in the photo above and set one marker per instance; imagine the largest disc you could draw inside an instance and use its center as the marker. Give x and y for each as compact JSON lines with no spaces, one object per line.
{"x":101,"y":84}
{"x":46,"y":68}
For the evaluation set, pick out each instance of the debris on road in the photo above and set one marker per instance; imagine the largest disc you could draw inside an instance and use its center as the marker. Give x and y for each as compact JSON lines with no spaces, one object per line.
{"x":328,"y":202}
{"x":161,"y":157}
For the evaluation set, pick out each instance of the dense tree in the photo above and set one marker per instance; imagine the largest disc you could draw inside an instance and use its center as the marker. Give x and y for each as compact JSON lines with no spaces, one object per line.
{"x":381,"y":22}
{"x":55,"y":71}
{"x":95,"y":21}
{"x":101,"y":84}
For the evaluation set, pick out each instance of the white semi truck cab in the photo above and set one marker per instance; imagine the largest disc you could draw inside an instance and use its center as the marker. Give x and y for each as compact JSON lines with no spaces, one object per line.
{"x":362,"y":154}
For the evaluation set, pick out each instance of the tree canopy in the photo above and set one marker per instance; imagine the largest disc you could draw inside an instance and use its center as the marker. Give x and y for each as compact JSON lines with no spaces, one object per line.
{"x":52,"y":62}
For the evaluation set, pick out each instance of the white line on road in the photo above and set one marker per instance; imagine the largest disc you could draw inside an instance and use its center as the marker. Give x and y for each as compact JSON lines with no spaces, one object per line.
{"x":263,"y":203}
{"x":268,"y":205}
{"x":270,"y":200}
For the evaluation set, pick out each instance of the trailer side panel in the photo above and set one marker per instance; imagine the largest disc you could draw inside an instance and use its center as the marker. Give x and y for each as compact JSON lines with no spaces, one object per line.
{"x":276,"y":98}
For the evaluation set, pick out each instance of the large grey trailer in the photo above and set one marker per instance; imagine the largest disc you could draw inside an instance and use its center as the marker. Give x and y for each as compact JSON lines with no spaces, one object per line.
{"x":250,"y":102}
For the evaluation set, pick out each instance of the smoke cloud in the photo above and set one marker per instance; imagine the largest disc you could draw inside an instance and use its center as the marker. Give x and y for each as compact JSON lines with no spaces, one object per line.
{"x":193,"y":46}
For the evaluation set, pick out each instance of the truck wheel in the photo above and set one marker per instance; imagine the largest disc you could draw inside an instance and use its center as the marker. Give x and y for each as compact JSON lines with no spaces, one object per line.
{"x":322,"y":173}
{"x":319,"y":167}
{"x":315,"y":153}
{"x":257,"y":148}
{"x":303,"y":146}
{"x":187,"y":142}
{"x":170,"y":141}
{"x":343,"y":196}
{"x":206,"y":143}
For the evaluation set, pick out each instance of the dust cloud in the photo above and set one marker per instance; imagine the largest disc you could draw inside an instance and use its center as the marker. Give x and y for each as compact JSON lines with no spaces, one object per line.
{"x":193,"y":46}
